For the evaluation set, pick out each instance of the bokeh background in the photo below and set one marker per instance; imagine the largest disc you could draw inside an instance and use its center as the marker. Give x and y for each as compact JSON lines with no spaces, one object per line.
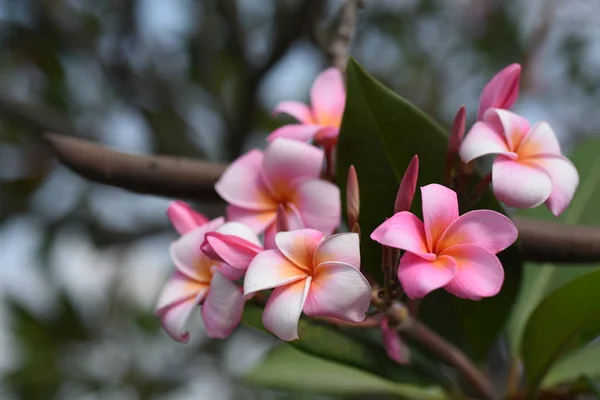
{"x":81,"y":264}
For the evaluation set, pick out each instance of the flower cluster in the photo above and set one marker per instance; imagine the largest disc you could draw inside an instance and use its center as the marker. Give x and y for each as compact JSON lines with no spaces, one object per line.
{"x":303,"y":266}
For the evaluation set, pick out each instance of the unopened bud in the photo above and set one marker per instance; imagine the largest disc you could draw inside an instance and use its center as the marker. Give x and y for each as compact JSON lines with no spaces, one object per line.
{"x":352,"y":197}
{"x":408,"y":186}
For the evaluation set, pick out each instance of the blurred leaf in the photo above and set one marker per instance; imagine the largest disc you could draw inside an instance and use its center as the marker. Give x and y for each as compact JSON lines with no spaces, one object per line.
{"x":539,"y":280}
{"x":564,"y":320}
{"x":380,"y":134}
{"x":583,"y":362}
{"x":288,"y":368}
{"x":341,"y":346}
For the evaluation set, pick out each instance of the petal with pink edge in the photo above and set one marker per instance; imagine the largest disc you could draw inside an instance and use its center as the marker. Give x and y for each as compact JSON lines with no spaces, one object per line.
{"x":174,"y":319}
{"x":283,"y":309}
{"x":565,"y":180}
{"x":223,"y":307}
{"x":328,"y":97}
{"x":233,"y":250}
{"x":184,"y":218}
{"x":241,"y":184}
{"x":296,"y":109}
{"x":395,"y":348}
{"x":478,"y":274}
{"x":520,"y":184}
{"x":303,"y":133}
{"x":270,"y":269}
{"x":485,"y":228}
{"x":342,"y":247}
{"x":179,"y":288}
{"x":287,"y":161}
{"x":318,"y":202}
{"x":299,"y":246}
{"x":540,"y":140}
{"x":239,"y":230}
{"x":501,"y":91}
{"x":440,"y":209}
{"x":514,"y":127}
{"x":340,"y":291}
{"x":481,"y":140}
{"x":420,"y":277}
{"x":231,"y":273}
{"x":403,"y":231}
{"x":294,"y":221}
{"x":258,"y":221}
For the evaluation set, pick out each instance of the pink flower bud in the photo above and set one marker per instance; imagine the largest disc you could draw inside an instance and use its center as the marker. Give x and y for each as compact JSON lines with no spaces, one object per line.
{"x":406,"y":192}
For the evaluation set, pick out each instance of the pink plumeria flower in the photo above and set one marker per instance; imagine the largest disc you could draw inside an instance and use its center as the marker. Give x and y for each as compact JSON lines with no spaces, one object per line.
{"x":456,"y":253}
{"x":501,"y":91}
{"x":287,"y":173}
{"x":311,"y":273}
{"x":395,"y":348}
{"x":321,"y":121}
{"x":200,"y":280}
{"x":530,"y":168}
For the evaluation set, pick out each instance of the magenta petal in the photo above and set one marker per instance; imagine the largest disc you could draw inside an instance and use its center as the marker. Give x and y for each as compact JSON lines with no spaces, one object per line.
{"x":342,"y":247}
{"x":296,"y":109}
{"x":501,"y":91}
{"x":395,"y":348}
{"x":284,"y":308}
{"x":340,"y":291}
{"x":440,"y":209}
{"x":482,"y":139}
{"x":241,"y":184}
{"x":288,"y":161}
{"x":420,"y":277}
{"x":318,"y":202}
{"x":299,"y":246}
{"x":403,"y":231}
{"x":303,"y":133}
{"x":223,"y":307}
{"x":184,"y":218}
{"x":408,"y":186}
{"x":565,"y":180}
{"x":328,"y":97}
{"x":521,"y":185}
{"x":479,"y":273}
{"x":233,"y":250}
{"x":258,"y":221}
{"x":514,"y":127}
{"x":485,"y":228}
{"x":270,"y":269}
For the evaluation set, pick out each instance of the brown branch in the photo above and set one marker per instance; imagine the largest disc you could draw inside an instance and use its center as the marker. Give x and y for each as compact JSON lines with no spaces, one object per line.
{"x":339,"y":47}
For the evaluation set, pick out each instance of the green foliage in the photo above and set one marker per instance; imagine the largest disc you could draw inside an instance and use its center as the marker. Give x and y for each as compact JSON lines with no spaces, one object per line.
{"x":580,"y":363}
{"x":380,"y":134}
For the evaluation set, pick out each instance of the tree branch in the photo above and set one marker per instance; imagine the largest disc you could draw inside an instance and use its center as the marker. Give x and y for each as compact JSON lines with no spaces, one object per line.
{"x":339,"y":47}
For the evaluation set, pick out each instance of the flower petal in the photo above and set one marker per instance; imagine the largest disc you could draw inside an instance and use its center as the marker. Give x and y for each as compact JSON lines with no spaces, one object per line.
{"x":540,"y":140}
{"x":283,"y":309}
{"x":565,"y":180}
{"x":514,"y":127}
{"x":222,"y":309}
{"x":403,"y":231}
{"x":440,"y":209}
{"x":258,"y":221}
{"x":299,"y":246}
{"x":340,"y":291}
{"x":478,"y":274}
{"x":501,"y":91}
{"x":395,"y":348}
{"x":231,"y":273}
{"x":270,"y":269}
{"x":187,"y":255}
{"x":342,"y":247}
{"x":318,"y":202}
{"x":520,"y":184}
{"x":485,"y":228}
{"x":328,"y":97}
{"x":303,"y":133}
{"x":178,"y":288}
{"x":242,"y":231}
{"x":482,"y":139}
{"x":233,"y":250}
{"x":288,"y":161}
{"x":419,"y":276}
{"x":174,"y":319}
{"x":184,"y":218}
{"x":298,"y":110}
{"x":241,"y":184}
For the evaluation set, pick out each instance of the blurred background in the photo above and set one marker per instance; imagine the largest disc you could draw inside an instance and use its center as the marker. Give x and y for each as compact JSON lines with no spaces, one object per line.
{"x":81,"y":264}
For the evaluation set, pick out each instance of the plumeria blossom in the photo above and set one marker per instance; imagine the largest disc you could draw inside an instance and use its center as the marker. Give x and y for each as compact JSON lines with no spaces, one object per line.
{"x":530,"y":168}
{"x":395,"y":348}
{"x":447,"y":250}
{"x":200,"y":280}
{"x":501,"y":91}
{"x":312,"y":273}
{"x":287,"y":174}
{"x":322,"y":119}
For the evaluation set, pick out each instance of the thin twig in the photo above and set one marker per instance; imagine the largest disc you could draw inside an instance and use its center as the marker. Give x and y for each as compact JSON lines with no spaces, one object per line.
{"x":339,"y":47}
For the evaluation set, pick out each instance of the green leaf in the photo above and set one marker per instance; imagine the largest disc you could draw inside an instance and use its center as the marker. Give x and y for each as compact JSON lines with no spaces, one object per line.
{"x":583,"y":362}
{"x":564,"y":320}
{"x":541,"y":279}
{"x":287,"y":368}
{"x":345,"y":347}
{"x":380,"y":134}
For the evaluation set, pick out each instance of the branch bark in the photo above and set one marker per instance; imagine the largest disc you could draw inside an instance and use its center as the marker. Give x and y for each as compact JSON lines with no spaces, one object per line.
{"x":339,"y":47}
